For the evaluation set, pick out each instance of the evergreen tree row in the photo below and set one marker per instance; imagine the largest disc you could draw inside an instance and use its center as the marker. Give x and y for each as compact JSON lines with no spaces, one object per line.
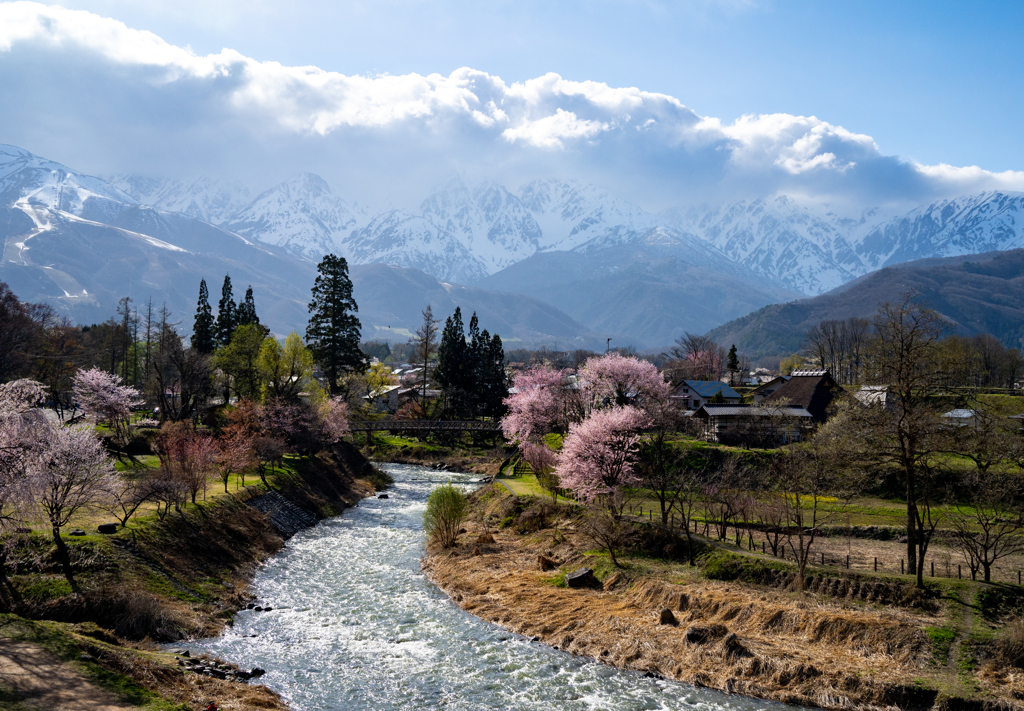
{"x":208,"y":334}
{"x":470,"y":370}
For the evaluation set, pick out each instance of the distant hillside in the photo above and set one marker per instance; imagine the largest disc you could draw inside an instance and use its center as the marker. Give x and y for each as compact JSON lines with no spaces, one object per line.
{"x":982,"y":293}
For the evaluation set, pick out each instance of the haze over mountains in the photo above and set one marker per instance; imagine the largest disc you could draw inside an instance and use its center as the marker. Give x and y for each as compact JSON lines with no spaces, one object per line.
{"x":585,"y":264}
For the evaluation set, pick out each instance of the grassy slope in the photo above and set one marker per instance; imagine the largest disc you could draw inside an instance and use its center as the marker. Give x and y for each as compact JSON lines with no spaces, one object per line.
{"x":183,"y":575}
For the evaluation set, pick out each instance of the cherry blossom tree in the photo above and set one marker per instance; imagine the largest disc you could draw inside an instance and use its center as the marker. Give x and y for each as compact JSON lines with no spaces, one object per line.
{"x":615,"y":380}
{"x":599,"y":455}
{"x":103,"y":396}
{"x":70,"y":473}
{"x":334,"y":416}
{"x":22,"y":432}
{"x":537,"y":406}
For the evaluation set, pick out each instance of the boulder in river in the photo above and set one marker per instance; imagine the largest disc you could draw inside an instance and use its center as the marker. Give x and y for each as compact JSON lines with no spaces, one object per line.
{"x":382,"y":496}
{"x":257,"y":672}
{"x":582,"y":578}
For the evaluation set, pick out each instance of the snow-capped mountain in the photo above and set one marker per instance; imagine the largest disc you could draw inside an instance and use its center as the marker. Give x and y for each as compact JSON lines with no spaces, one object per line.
{"x":301,"y":215}
{"x":203,"y":198}
{"x":464,"y":233}
{"x":404,"y":240}
{"x":490,"y":222}
{"x":30,"y":180}
{"x":970,"y":224}
{"x":572,"y":215}
{"x":809,"y":251}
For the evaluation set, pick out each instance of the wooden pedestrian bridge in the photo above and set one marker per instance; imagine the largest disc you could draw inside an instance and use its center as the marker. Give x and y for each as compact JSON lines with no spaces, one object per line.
{"x":424,"y":426}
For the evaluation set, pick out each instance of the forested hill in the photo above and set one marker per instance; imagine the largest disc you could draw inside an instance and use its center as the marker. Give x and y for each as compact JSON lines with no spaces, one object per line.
{"x":982,"y":293}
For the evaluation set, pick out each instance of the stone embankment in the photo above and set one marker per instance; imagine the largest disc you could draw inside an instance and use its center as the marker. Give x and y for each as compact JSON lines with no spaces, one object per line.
{"x":286,"y":518}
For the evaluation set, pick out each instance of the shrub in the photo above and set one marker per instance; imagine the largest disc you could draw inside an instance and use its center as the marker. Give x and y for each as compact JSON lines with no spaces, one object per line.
{"x":1010,"y":649}
{"x":380,"y":479}
{"x":446,"y":508}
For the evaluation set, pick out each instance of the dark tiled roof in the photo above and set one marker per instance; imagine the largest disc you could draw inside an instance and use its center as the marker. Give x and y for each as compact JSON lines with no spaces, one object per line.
{"x":812,"y":392}
{"x":753,"y":411}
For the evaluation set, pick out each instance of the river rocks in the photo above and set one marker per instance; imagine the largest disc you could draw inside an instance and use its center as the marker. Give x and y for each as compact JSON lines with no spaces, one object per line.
{"x":702,"y":635}
{"x":257,"y":608}
{"x":382,"y":496}
{"x":256,"y":672}
{"x":582,"y":578}
{"x":667,"y":618}
{"x":77,"y":532}
{"x":250,"y":606}
{"x":107,"y":528}
{"x":267,"y":609}
{"x":545,"y":563}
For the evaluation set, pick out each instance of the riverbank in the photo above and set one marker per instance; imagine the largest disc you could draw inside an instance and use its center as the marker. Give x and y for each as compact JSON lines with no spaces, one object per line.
{"x":461,"y":456}
{"x":877,"y":647}
{"x":164,"y":579}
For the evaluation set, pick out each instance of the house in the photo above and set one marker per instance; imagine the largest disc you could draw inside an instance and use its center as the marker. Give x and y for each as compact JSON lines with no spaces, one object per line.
{"x":753,"y":425}
{"x":691,"y":394}
{"x":384,"y":398}
{"x":766,"y":389}
{"x":813,"y":390}
{"x":881,"y":395}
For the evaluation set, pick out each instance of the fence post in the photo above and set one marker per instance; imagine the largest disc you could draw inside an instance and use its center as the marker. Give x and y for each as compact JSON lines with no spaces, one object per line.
{"x":933,"y":568}
{"x":762,"y":547}
{"x":901,"y":566}
{"x":823,"y":558}
{"x":847,"y":562}
{"x":876,"y":565}
{"x":957,"y":571}
{"x":1018,"y":577}
{"x":650,"y":514}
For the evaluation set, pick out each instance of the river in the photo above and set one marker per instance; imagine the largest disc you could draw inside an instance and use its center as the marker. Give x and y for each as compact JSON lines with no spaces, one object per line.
{"x":355,"y":625}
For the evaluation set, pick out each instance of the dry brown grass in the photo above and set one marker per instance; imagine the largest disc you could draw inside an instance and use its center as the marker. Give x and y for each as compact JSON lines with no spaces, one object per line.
{"x":770,"y":644}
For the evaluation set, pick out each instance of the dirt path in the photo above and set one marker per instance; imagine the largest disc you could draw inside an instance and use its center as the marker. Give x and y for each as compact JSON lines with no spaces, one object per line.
{"x":40,"y":680}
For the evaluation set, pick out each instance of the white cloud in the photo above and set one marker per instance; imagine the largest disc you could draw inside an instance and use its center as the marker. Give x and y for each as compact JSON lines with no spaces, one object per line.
{"x":164,"y":102}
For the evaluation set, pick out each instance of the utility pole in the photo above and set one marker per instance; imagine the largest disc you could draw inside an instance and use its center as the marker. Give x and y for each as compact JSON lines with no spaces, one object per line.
{"x":608,"y":345}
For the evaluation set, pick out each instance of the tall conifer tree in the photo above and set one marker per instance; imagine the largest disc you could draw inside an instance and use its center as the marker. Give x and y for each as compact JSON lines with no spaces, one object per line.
{"x":203,"y":339}
{"x":452,"y":361}
{"x":334,"y":330}
{"x":246,"y":312}
{"x":226,"y":316}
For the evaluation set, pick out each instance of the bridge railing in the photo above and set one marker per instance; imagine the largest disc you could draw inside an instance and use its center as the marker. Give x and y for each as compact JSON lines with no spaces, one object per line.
{"x":424,"y":426}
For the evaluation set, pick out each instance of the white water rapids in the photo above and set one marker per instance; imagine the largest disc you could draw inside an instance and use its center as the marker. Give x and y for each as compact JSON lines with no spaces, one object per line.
{"x":355,"y":625}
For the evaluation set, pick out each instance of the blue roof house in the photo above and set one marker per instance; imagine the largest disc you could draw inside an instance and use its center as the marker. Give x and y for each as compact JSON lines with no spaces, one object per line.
{"x":691,"y":394}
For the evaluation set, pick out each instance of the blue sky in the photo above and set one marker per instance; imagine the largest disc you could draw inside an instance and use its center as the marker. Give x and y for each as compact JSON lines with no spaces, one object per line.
{"x":928,"y":83}
{"x":935,"y":81}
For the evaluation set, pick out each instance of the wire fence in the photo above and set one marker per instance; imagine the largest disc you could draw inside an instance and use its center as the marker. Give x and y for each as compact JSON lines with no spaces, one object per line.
{"x":850,"y":553}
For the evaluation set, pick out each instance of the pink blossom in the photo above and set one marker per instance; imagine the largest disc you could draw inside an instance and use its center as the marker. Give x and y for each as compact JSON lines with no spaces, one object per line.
{"x":613,"y":379}
{"x":538,"y":405}
{"x":104,"y":397}
{"x":599,"y":454}
{"x":334,"y":413}
{"x":538,"y":456}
